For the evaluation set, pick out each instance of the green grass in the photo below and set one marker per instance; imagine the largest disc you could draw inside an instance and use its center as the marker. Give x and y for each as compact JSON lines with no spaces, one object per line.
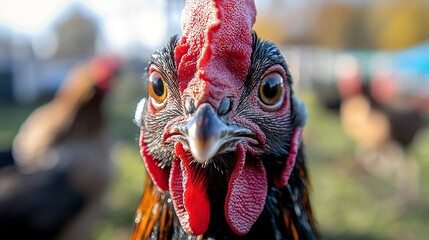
{"x":349,"y":203}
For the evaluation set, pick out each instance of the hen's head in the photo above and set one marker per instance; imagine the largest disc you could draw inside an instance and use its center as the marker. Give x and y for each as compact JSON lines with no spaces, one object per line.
{"x":103,"y":69}
{"x":221,"y":124}
{"x":96,"y":75}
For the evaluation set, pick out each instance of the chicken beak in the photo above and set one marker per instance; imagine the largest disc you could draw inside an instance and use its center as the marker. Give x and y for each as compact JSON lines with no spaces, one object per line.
{"x":206,"y":133}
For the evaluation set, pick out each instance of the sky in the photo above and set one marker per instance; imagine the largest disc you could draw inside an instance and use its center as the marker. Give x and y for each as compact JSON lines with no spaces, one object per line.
{"x":29,"y":16}
{"x":123,"y":21}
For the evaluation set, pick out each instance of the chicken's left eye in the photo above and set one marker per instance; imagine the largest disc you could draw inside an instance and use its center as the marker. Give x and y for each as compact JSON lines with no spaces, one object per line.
{"x":156,"y":87}
{"x":271,"y":90}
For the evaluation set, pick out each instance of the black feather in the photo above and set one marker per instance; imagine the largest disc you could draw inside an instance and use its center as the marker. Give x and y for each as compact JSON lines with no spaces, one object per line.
{"x":287,"y":213}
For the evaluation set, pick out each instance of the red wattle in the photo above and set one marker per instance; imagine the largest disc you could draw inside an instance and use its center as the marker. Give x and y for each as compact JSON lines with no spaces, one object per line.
{"x":176,"y":191}
{"x":159,"y":175}
{"x":189,"y":197}
{"x":282,"y":180}
{"x":247,"y":191}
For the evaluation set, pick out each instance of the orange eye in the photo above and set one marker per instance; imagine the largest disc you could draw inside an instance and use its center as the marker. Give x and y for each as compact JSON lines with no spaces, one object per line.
{"x":271,"y":89}
{"x":156,"y":87}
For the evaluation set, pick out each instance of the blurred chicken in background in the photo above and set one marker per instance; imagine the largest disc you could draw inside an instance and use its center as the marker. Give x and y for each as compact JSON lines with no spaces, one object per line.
{"x":52,"y":182}
{"x":384,"y":120}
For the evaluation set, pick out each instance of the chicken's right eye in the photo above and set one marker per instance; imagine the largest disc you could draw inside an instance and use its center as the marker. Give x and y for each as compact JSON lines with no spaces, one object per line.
{"x":156,"y":87}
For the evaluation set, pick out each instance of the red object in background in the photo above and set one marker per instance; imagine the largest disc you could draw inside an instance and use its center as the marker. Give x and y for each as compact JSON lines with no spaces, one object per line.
{"x":382,"y":87}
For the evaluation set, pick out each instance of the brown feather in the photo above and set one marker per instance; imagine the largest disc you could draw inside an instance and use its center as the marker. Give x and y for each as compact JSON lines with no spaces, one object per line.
{"x":154,"y":217}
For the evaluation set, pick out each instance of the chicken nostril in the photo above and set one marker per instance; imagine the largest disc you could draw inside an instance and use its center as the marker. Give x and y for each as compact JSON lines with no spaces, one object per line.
{"x":224,"y":106}
{"x":190,"y":105}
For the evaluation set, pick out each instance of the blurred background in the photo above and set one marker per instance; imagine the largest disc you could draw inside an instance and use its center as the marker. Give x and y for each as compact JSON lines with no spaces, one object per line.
{"x":361,"y":66}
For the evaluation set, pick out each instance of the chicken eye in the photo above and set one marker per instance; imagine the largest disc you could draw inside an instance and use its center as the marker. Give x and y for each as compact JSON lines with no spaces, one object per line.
{"x":156,"y":87}
{"x":271,"y":90}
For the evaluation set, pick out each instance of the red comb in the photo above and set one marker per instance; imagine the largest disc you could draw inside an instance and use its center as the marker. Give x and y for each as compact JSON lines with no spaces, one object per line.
{"x":216,"y":44}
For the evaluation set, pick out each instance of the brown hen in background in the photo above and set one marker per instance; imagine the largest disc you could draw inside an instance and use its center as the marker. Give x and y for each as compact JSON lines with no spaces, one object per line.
{"x":60,"y":160}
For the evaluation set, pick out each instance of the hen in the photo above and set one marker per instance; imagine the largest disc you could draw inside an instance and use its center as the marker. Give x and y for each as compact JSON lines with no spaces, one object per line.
{"x":221,"y":134}
{"x":384,"y":123}
{"x":61,"y":161}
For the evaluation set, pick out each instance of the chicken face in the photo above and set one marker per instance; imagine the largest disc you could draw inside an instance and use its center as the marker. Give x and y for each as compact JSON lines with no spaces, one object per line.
{"x":221,"y":124}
